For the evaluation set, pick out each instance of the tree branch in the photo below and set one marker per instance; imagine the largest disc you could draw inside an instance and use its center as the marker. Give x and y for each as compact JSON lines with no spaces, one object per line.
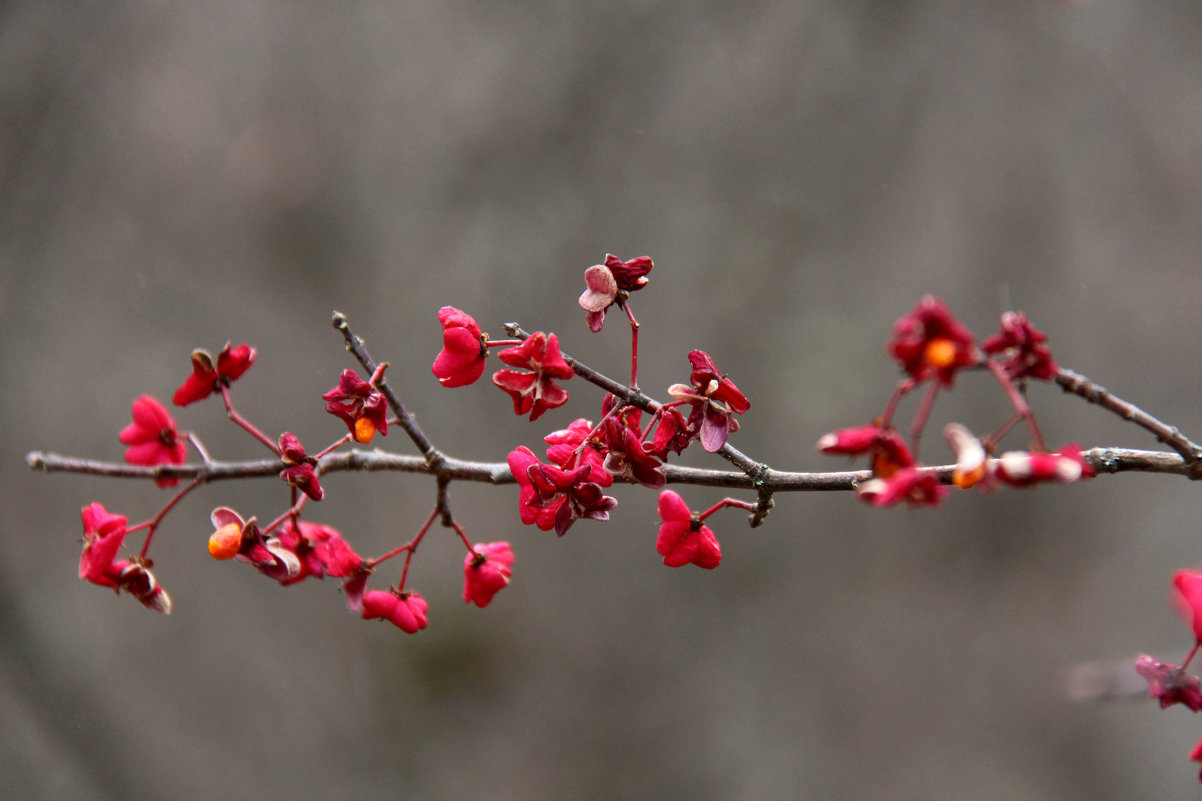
{"x":1102,"y":459}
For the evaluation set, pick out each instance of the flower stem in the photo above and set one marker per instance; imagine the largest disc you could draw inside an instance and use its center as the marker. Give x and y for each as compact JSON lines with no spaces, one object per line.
{"x":239,"y":420}
{"x":153,"y":524}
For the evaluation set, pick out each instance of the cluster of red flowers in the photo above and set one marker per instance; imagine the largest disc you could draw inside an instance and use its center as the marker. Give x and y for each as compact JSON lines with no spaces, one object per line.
{"x":1171,"y":684}
{"x":933,"y":346}
{"x":583,"y":459}
{"x":290,"y":549}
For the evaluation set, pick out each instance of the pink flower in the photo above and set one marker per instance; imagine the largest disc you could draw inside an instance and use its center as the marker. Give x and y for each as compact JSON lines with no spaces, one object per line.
{"x":931,"y":343}
{"x":610,"y":283}
{"x":1021,"y":349}
{"x":152,"y":438}
{"x":552,"y":497}
{"x":207,"y":379}
{"x":909,"y":484}
{"x":534,"y":392}
{"x":461,"y":360}
{"x":1188,"y":599}
{"x":299,"y":470}
{"x":715,"y":400}
{"x":266,"y":554}
{"x":1169,"y":684}
{"x":1196,"y":755}
{"x":103,"y":535}
{"x":683,"y":539}
{"x":320,"y":550}
{"x":406,"y":610}
{"x":358,"y":404}
{"x":486,"y":571}
{"x":1022,"y":469}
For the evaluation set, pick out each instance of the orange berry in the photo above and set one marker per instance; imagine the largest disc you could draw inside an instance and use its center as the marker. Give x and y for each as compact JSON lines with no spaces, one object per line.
{"x":365,"y":429}
{"x":225,"y":542}
{"x":940,"y":353}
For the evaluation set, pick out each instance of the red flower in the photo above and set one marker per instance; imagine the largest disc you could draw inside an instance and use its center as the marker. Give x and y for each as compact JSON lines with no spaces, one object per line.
{"x":1196,"y":755}
{"x":611,"y":283}
{"x":406,"y":610}
{"x":1022,"y":469}
{"x":931,"y":343}
{"x":266,"y":554}
{"x":909,"y":484}
{"x":627,"y":458}
{"x":552,"y":497}
{"x":152,"y":438}
{"x":103,"y":535}
{"x":360,"y":405}
{"x":672,"y":433}
{"x":1021,"y":349}
{"x":564,"y":443}
{"x":888,"y":450}
{"x":320,"y":550}
{"x":461,"y":360}
{"x":207,"y":379}
{"x":715,"y":400}
{"x":1188,"y":599}
{"x":299,"y":471}
{"x":1170,"y":684}
{"x":534,"y":392}
{"x":683,"y":539}
{"x":486,"y":571}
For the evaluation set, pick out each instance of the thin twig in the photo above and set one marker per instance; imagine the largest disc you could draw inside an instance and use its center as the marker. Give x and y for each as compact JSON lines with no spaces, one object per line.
{"x":356,"y":347}
{"x":1190,"y":451}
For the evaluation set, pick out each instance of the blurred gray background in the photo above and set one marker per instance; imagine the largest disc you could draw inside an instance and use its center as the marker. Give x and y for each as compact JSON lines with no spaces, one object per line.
{"x":178,"y":175}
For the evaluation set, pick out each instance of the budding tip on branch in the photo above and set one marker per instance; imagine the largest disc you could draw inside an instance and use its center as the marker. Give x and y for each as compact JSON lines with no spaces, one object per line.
{"x":338,"y":320}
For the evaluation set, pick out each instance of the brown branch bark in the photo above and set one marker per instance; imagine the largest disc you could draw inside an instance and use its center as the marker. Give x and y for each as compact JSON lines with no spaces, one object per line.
{"x":1102,"y":459}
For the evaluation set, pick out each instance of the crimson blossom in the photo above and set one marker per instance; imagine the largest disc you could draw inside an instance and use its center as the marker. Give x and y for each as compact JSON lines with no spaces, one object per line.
{"x":103,"y":535}
{"x":464,"y":349}
{"x":1022,"y":469}
{"x":1021,"y":348}
{"x":486,"y":571}
{"x":1170,"y":684}
{"x":574,"y":445}
{"x":320,"y":550}
{"x":534,"y":392}
{"x":912,"y":485}
{"x":552,"y":497}
{"x":360,"y":405}
{"x":208,"y":378}
{"x":1188,"y":599}
{"x":152,"y":438}
{"x":715,"y":400}
{"x":931,"y":343}
{"x":406,"y":610}
{"x":299,"y":470}
{"x":610,"y":283}
{"x":683,"y":538}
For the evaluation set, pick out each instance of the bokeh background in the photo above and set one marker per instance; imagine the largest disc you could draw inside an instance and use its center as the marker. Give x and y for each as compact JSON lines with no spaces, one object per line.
{"x":177,"y":175}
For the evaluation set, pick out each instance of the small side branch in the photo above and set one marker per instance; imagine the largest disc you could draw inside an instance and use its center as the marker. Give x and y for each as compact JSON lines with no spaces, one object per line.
{"x":356,"y":347}
{"x":1171,"y":436}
